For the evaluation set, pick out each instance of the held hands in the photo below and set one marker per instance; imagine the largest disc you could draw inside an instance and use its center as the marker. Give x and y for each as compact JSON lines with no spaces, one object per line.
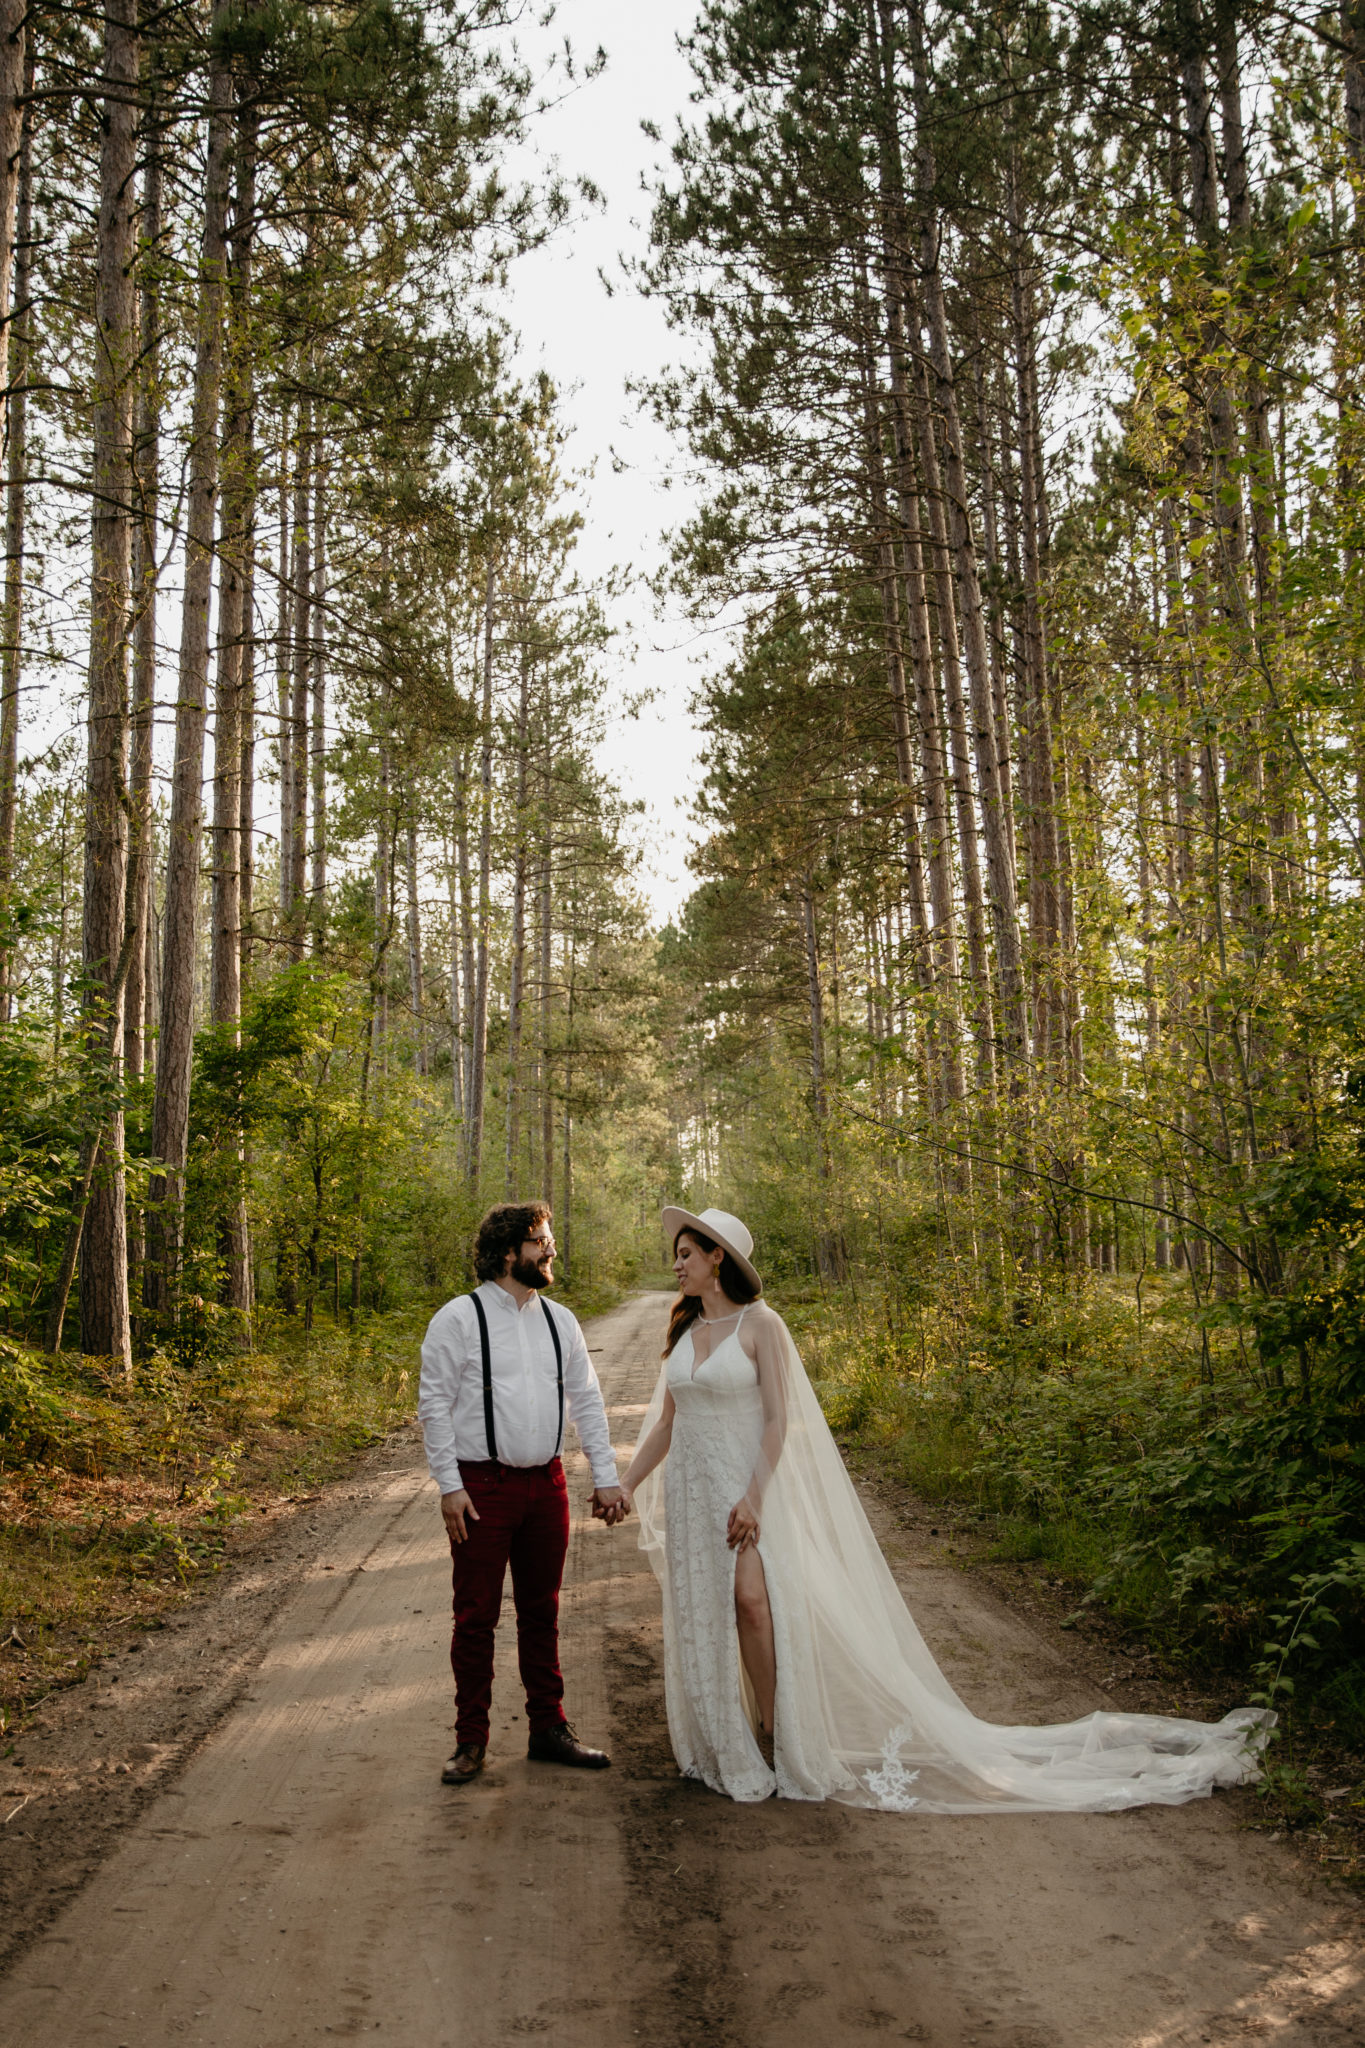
{"x":742,"y":1528}
{"x":610,"y":1504}
{"x":454,"y":1508}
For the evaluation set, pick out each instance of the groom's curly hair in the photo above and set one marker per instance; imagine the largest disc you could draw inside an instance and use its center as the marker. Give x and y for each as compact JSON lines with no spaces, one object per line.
{"x":505,"y":1229}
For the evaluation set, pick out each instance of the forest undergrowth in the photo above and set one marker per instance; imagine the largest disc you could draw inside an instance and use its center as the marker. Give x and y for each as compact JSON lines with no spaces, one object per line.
{"x":117,"y":1498}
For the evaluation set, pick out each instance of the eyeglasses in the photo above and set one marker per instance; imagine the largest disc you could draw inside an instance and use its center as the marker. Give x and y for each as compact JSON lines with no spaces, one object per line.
{"x":546,"y":1243}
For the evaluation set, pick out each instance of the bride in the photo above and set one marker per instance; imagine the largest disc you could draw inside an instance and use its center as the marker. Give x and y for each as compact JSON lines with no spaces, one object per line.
{"x":791,"y":1662}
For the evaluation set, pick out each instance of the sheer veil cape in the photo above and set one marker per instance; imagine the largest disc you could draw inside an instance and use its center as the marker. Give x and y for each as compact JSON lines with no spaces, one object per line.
{"x":896,"y":1734}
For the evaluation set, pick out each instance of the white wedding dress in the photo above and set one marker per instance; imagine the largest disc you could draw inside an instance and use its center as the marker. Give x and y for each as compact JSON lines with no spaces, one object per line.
{"x":863,"y":1713}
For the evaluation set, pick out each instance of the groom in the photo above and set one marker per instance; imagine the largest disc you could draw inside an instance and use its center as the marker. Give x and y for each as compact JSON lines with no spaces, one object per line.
{"x":498,"y":1367}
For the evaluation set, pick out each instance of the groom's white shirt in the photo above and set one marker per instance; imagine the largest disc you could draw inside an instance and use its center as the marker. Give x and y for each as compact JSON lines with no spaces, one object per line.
{"x":525,"y":1401}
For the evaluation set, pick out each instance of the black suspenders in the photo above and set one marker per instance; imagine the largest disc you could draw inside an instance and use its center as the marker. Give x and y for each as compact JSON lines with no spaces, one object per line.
{"x":559,"y":1372}
{"x":487,"y":1379}
{"x":487,"y":1356}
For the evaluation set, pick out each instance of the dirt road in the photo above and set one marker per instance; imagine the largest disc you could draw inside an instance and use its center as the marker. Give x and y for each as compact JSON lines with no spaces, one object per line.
{"x":308,"y":1876}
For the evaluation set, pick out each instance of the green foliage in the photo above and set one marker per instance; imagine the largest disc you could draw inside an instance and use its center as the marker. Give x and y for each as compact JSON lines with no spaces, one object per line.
{"x":326,"y":1390}
{"x":1313,"y":1610}
{"x":38,"y":1145}
{"x":31,"y":1413}
{"x":337,"y":1171}
{"x":1214,"y":1514}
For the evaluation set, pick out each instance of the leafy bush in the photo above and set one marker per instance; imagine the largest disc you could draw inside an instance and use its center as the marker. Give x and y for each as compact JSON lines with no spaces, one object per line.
{"x":1226,"y":1510}
{"x":30,"y":1410}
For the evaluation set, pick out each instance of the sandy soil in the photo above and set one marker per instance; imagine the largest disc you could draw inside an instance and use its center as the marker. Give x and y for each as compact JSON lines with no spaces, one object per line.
{"x":297,"y":1871}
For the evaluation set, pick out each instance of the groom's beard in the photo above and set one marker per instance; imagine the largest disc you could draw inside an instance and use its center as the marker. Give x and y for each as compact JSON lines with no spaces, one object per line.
{"x":530,"y":1274}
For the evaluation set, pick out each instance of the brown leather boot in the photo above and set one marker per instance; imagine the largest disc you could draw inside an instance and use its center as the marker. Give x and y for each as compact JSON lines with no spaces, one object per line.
{"x":465,"y":1765}
{"x":561,"y":1746}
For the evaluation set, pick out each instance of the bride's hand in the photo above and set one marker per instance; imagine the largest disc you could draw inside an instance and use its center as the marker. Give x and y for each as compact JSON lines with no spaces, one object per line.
{"x":742,"y":1528}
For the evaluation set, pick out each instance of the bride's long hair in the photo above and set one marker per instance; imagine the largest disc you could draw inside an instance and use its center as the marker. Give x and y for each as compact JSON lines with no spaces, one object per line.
{"x":735,"y":1284}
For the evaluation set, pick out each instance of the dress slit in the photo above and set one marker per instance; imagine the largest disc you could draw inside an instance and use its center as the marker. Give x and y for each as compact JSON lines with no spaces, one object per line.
{"x":746,"y":1684}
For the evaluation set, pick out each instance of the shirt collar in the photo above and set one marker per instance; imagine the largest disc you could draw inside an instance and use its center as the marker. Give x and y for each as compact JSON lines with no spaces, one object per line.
{"x":491,"y":1291}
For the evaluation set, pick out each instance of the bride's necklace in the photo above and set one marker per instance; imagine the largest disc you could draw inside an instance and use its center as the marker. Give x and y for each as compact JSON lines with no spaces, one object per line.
{"x":721,"y":1319}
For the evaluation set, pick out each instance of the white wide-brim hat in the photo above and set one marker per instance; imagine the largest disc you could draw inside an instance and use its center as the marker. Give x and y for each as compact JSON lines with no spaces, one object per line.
{"x":723,"y":1229}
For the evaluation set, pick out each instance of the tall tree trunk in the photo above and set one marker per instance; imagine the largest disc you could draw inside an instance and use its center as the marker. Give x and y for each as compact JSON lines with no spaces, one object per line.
{"x":959,"y":758}
{"x":416,"y":990}
{"x":147,"y":485}
{"x":893,"y":645}
{"x":990,"y":788}
{"x":246,"y":827}
{"x":234,"y":530}
{"x":171,"y":1111}
{"x":16,"y":501}
{"x":1230,"y":775}
{"x":1236,"y":183}
{"x":456,"y":1004}
{"x":298,"y":718}
{"x":816,"y":1014}
{"x":466,"y":1045}
{"x":517,"y":964}
{"x":1353,"y":83}
{"x":545,"y":936}
{"x":1050,"y":1032}
{"x":1248,"y":612}
{"x":478,"y":1063}
{"x":15,"y":84}
{"x":15,"y":59}
{"x":61,"y":933}
{"x":105,"y":1327}
{"x":932,"y":749}
{"x":827,"y":1243}
{"x":1142,"y":808}
{"x":284,"y":668}
{"x":1223,"y":485}
{"x":318,"y":672}
{"x":137,"y":1005}
{"x":945,"y":1021}
{"x":384,"y":861}
{"x":990,"y":552}
{"x":234,"y":639}
{"x":547,"y":1093}
{"x":565,"y":1211}
{"x":246,"y":822}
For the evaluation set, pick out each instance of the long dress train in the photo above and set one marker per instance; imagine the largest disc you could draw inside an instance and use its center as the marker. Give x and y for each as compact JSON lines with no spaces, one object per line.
{"x":863,"y":1713}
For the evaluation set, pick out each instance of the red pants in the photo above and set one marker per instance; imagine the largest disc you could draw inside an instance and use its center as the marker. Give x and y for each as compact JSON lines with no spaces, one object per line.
{"x":523,"y":1521}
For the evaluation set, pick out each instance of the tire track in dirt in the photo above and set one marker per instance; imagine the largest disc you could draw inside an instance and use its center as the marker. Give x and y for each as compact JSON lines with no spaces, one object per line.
{"x":94,"y":1756}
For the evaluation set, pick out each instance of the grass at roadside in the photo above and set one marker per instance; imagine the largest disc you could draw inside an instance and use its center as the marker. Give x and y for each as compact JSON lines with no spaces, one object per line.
{"x":115,"y":1499}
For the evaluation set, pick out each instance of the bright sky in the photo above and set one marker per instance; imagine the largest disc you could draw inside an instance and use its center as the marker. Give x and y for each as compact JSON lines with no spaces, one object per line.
{"x":591,"y":346}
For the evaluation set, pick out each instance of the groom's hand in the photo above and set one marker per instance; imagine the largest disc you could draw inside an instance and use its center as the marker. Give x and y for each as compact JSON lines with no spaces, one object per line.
{"x":609,"y":1505}
{"x":454,"y":1508}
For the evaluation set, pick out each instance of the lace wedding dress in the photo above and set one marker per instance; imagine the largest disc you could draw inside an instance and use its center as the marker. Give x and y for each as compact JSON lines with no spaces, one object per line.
{"x":863,"y":1713}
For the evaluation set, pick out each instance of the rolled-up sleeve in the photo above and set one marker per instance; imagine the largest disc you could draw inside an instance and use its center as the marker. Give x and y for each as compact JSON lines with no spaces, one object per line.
{"x":445,"y":1357}
{"x":584,"y":1397}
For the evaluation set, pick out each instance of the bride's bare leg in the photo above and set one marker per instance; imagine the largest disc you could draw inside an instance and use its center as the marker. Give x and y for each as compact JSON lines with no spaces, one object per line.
{"x":754,"y":1621}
